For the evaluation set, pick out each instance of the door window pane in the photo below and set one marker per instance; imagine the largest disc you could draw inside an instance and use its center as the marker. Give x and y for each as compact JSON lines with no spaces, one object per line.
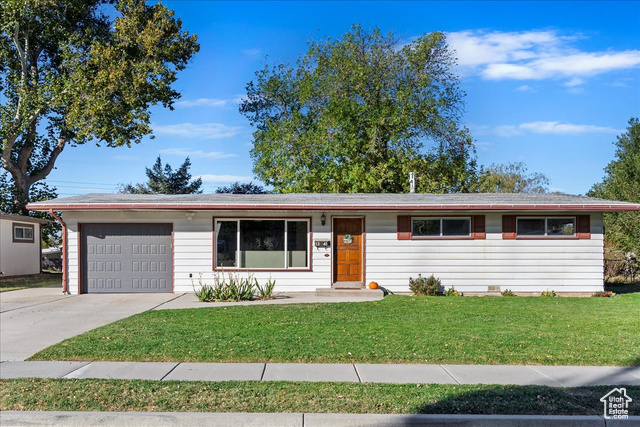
{"x":226,"y":243}
{"x":262,"y":244}
{"x":456,"y":227}
{"x":297,"y":247}
{"x":530,"y":226}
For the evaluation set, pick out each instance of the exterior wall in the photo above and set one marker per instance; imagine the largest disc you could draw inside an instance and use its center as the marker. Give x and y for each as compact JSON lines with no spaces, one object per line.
{"x":522,"y":265}
{"x":565,"y":265}
{"x":193,"y":247}
{"x":20,"y":257}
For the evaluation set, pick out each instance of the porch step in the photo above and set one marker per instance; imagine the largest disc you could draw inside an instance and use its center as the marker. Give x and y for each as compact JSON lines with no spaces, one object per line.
{"x":348,"y":285}
{"x":364,"y":293}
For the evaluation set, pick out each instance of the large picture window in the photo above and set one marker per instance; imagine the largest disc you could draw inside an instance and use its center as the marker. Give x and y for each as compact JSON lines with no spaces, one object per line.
{"x":546,"y":227}
{"x":441,"y":227}
{"x":262,"y":243}
{"x":23,"y":233}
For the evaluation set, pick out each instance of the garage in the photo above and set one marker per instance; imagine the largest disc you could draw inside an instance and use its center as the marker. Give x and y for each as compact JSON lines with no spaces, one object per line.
{"x":126,"y":258}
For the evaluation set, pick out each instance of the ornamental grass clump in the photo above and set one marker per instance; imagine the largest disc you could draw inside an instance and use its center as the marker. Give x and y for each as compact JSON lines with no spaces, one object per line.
{"x":507,"y":293}
{"x":265,"y":292}
{"x":548,"y":293}
{"x":430,"y":286}
{"x":232,"y":288}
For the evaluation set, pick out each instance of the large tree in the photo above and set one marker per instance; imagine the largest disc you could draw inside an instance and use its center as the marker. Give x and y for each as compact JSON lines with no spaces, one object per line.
{"x":166,"y":180}
{"x":357,"y":114}
{"x":512,"y":178}
{"x":622,"y":182}
{"x":74,"y":71}
{"x":244,"y":188}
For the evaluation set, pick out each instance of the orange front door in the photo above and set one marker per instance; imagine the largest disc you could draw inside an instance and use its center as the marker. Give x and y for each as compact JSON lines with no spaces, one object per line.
{"x":348,"y":244}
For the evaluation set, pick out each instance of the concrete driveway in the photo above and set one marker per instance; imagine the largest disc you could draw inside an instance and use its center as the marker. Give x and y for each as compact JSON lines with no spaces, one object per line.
{"x":33,"y":319}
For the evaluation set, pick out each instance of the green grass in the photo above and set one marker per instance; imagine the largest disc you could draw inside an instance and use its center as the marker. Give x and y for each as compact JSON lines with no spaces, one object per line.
{"x":32,"y":281}
{"x":467,"y":330}
{"x":178,"y":396}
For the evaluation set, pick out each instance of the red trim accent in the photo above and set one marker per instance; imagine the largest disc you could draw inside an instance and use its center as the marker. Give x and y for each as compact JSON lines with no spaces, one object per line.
{"x":404,"y":227}
{"x":65,"y":258}
{"x":583,"y":226}
{"x":80,"y":257}
{"x":508,"y":226}
{"x":478,"y":227}
{"x":324,"y":208}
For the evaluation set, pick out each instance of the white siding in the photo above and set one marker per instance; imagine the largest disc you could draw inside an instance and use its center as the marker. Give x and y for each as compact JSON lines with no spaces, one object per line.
{"x":567,"y":265}
{"x":469,"y":265}
{"x":20,"y":257}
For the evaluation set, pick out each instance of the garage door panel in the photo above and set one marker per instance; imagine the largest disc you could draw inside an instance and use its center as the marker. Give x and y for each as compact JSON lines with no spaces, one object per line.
{"x":127,"y":258}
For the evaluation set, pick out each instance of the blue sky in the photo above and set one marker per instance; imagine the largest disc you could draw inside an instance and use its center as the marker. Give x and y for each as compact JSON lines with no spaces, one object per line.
{"x":550,"y":84}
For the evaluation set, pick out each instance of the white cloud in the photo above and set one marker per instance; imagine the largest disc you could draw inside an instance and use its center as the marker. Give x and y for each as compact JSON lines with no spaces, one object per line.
{"x":202,"y":102}
{"x":576,"y":81}
{"x":252,"y":52}
{"x":184,"y":152}
{"x":541,"y":127}
{"x":526,"y":88}
{"x":564,"y":128}
{"x":199,"y":131}
{"x":222,"y":179}
{"x":533,"y":55}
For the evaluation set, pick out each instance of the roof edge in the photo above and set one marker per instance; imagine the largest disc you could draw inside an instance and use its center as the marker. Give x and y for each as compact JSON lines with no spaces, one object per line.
{"x":276,"y":207}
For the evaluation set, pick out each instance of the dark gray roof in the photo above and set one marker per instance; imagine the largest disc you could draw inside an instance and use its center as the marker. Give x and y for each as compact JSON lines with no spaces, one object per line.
{"x":23,"y":218}
{"x":342,"y":201}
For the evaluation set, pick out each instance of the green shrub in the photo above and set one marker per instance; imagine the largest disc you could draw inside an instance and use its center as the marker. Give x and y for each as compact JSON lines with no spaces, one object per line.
{"x":604,"y":294}
{"x":234,"y":288}
{"x":507,"y":293}
{"x":266,"y":292}
{"x":548,"y":293}
{"x":420,"y":286}
{"x":451,"y":292}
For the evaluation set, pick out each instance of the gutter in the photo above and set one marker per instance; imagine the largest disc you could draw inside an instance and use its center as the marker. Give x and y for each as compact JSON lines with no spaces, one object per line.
{"x":65,"y":289}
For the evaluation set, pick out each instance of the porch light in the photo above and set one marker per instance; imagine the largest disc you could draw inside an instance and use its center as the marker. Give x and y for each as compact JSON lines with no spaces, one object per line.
{"x":323,"y":219}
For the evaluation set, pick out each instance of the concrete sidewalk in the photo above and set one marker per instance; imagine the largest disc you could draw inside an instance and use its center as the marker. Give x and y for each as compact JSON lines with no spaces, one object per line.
{"x":123,"y":419}
{"x":554,"y":376}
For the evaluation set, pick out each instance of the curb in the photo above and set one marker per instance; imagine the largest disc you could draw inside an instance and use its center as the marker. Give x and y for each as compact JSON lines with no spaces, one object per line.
{"x":124,"y":419}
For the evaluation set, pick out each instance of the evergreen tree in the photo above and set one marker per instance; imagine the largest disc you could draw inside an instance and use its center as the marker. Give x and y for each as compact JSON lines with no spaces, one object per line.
{"x":166,"y":180}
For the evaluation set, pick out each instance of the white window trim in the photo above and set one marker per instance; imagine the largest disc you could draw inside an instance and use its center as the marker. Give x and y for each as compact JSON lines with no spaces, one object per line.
{"x":237,"y":260}
{"x":441,"y":235}
{"x":546,"y":235}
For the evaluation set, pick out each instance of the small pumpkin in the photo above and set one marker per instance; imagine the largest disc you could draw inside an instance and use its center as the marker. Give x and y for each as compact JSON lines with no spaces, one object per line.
{"x":373,"y":285}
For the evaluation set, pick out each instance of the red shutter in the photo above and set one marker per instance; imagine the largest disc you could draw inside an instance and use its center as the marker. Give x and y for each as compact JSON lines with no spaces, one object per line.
{"x":478,"y":225}
{"x":404,"y":227}
{"x":583,"y":226}
{"x":508,"y":226}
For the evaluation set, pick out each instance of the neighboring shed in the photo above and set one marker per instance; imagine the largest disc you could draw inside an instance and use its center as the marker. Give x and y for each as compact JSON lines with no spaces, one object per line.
{"x":475,"y":242}
{"x":20,"y":242}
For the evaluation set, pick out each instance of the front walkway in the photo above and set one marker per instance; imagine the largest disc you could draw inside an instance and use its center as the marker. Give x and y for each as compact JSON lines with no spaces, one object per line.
{"x":554,"y":376}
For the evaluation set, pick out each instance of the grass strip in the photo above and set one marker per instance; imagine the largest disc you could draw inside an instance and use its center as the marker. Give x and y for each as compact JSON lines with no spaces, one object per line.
{"x":398,"y":329}
{"x":32,"y":281}
{"x":249,"y":396}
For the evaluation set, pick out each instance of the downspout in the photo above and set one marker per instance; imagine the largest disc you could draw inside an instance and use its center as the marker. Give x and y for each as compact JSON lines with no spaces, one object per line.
{"x":64,"y":251}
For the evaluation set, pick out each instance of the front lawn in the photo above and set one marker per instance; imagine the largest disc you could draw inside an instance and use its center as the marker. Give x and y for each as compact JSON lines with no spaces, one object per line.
{"x":32,"y":281}
{"x":467,"y":330}
{"x":176,"y":396}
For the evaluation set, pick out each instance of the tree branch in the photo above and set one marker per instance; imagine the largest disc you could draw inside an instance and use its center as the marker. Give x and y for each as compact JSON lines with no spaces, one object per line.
{"x":50,"y":163}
